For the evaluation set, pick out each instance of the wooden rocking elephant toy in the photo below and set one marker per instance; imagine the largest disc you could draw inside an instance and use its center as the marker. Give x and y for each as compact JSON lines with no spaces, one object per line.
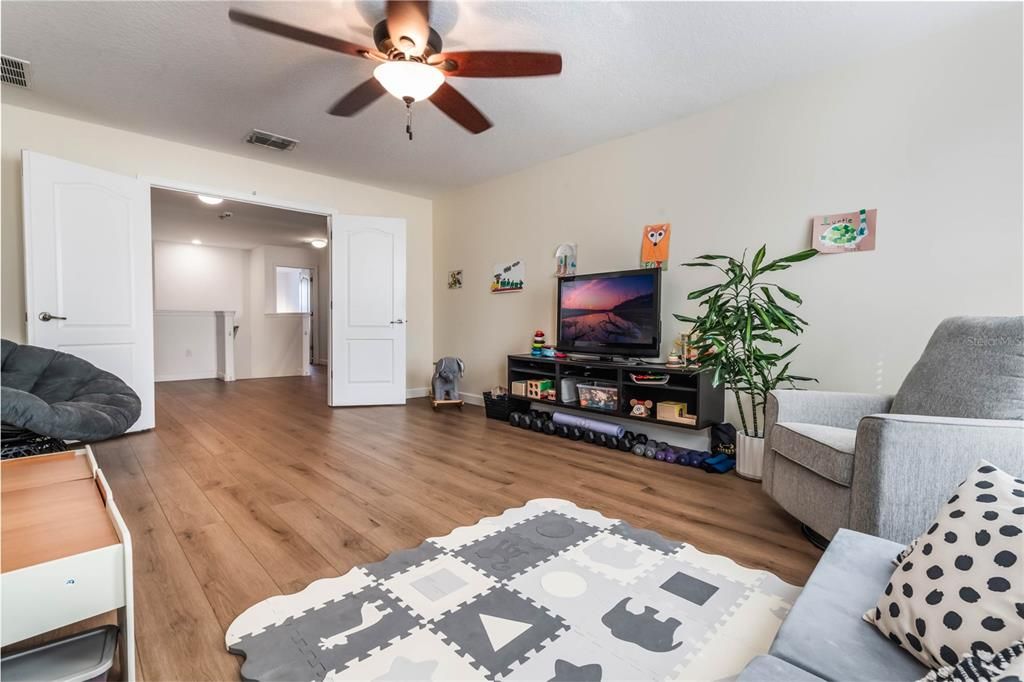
{"x":444,"y":386}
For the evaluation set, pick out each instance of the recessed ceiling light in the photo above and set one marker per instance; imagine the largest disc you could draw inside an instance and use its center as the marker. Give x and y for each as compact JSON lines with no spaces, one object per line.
{"x":197,"y":242}
{"x":318,"y":243}
{"x":213,"y":201}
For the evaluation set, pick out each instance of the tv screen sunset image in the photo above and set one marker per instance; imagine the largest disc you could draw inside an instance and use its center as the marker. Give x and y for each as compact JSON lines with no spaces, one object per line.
{"x":608,"y":311}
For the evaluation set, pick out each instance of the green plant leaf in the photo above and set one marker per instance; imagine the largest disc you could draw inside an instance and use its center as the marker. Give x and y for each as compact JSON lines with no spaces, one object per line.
{"x":684,"y":318}
{"x":758,"y":257}
{"x":712,"y":256}
{"x":789,"y":294}
{"x":798,"y":256}
{"x":702,"y":292}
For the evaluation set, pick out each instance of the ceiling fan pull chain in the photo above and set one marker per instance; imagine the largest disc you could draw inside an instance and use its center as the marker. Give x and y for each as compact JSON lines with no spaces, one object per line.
{"x":408,"y":116}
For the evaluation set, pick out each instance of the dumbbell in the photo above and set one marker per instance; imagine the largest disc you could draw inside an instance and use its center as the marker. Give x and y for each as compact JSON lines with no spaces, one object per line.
{"x":671,"y":456}
{"x":537,"y":424}
{"x":525,"y":421}
{"x":550,"y":427}
{"x":514,"y":418}
{"x":563,"y":431}
{"x":649,"y":450}
{"x":602,"y":440}
{"x":590,"y":437}
{"x":638,"y":449}
{"x":613,"y":443}
{"x":576,"y":433}
{"x":641,"y":438}
{"x":626,"y":443}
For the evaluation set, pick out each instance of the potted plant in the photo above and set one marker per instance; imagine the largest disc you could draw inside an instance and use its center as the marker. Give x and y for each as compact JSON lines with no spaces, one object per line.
{"x":736,"y":338}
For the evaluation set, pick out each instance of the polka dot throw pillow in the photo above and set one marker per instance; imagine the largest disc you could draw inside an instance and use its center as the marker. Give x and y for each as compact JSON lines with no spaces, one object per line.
{"x":961,"y":587}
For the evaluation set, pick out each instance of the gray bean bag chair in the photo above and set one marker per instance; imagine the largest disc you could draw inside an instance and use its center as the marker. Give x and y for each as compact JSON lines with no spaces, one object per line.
{"x":58,"y":395}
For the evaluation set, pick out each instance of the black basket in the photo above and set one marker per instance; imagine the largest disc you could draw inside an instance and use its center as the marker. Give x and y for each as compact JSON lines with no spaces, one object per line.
{"x":15,"y":442}
{"x":501,"y":406}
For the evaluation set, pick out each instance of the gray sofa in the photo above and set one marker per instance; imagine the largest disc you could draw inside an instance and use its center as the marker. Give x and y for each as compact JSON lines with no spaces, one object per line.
{"x":55,"y":394}
{"x":824,"y":637}
{"x":882,"y":464}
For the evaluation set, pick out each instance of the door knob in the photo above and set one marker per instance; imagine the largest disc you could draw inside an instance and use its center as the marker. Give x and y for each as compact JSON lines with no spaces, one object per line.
{"x":397,"y":321}
{"x":46,"y":317}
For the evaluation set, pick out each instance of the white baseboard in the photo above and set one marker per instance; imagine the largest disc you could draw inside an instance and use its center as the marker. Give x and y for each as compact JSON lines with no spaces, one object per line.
{"x":320,"y":361}
{"x":187,"y":376}
{"x":470,"y":398}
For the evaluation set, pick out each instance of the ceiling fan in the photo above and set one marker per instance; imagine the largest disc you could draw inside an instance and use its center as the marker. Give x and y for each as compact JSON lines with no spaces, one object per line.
{"x":412,"y":65}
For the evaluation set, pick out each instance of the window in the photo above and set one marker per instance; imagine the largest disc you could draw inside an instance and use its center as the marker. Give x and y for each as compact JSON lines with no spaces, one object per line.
{"x":293,"y":289}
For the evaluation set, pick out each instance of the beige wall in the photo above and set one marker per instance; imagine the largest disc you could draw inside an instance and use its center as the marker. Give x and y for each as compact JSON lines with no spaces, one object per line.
{"x":929,"y":135}
{"x":133,"y":154}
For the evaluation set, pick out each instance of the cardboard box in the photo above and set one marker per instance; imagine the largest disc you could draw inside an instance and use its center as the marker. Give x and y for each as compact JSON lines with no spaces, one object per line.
{"x":672,"y":411}
{"x":519,"y":388}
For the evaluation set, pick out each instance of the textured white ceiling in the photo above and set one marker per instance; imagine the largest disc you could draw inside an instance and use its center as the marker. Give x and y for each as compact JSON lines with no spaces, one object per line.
{"x":181,"y":217}
{"x":182,"y":71}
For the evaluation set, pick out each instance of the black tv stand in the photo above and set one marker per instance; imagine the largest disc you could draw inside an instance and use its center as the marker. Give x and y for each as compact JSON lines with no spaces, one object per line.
{"x":684,"y":385}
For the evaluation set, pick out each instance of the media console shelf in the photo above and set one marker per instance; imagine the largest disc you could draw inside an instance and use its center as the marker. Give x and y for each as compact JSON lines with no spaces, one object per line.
{"x":684,"y":386}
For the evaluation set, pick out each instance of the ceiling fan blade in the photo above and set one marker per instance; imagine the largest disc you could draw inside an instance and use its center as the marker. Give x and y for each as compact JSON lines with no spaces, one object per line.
{"x":357,"y":99}
{"x":459,"y":109}
{"x":498,"y":64}
{"x":409,"y":25}
{"x":300,"y":34}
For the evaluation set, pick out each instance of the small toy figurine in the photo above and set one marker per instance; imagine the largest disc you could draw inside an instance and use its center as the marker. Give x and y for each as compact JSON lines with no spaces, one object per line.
{"x":641,"y":408}
{"x":674,"y":361}
{"x":538,"y":343}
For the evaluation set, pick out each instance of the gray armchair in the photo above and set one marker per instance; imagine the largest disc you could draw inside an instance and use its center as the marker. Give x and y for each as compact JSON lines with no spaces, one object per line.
{"x":884,"y":464}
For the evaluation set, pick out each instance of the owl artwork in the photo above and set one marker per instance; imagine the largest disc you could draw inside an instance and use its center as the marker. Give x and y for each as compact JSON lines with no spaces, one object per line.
{"x":654,"y":252}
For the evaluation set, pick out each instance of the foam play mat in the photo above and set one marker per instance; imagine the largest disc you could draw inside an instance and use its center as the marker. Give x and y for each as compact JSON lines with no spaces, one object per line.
{"x":546,"y":591}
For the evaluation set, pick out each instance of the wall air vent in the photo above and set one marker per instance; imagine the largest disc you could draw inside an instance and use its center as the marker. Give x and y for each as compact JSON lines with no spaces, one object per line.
{"x":15,"y":71}
{"x":265,"y":139}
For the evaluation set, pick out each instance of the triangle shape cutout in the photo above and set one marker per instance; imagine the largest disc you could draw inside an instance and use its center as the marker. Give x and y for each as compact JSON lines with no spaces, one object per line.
{"x":501,"y":631}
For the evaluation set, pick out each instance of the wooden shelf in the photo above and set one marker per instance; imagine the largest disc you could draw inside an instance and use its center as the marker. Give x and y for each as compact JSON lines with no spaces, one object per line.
{"x":702,"y":399}
{"x":534,"y":372}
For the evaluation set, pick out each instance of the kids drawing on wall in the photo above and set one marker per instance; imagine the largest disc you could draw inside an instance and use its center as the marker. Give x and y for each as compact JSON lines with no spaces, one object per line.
{"x":654,"y":248}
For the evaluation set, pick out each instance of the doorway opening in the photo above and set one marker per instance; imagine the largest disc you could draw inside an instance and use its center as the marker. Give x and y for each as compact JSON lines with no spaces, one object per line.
{"x":240,"y":289}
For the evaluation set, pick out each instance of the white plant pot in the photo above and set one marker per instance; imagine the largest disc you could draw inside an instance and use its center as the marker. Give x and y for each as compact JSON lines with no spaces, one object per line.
{"x":749,"y":457}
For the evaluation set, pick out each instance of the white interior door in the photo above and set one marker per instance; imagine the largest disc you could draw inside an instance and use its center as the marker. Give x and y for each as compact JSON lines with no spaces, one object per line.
{"x":367,"y":360}
{"x":89,"y":269}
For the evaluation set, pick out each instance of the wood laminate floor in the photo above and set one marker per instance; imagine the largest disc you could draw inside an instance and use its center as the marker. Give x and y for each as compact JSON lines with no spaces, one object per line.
{"x":255,"y":488}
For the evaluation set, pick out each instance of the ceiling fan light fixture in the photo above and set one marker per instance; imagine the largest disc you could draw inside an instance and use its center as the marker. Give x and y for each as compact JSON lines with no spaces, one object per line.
{"x":318,"y":243}
{"x":408,"y":79}
{"x":207,"y":199}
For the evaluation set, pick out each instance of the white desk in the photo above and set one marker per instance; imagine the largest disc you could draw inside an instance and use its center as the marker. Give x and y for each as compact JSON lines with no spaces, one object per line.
{"x":67,"y":554}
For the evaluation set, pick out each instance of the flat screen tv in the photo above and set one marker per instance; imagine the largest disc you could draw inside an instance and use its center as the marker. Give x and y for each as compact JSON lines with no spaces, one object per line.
{"x":611,"y":313}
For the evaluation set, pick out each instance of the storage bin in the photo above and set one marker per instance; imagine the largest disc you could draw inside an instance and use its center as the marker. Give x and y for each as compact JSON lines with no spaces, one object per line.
{"x":569,"y":394}
{"x":501,"y":406}
{"x":84,"y":657}
{"x":598,"y":396}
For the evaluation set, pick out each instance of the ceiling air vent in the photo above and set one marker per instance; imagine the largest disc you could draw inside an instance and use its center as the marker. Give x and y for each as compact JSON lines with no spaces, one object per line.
{"x":265,"y":139}
{"x":15,"y":71}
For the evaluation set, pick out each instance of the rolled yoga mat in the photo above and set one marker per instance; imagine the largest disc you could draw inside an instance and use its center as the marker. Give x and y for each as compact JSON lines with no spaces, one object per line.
{"x":595,"y":425}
